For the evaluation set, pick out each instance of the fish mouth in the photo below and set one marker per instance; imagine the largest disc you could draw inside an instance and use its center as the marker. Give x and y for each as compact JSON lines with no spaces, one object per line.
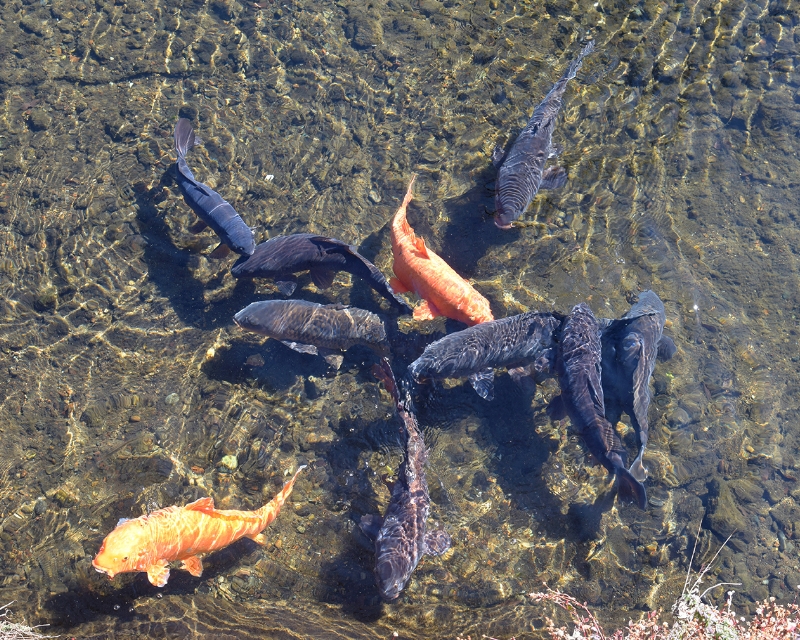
{"x":108,"y":572}
{"x":500,"y":225}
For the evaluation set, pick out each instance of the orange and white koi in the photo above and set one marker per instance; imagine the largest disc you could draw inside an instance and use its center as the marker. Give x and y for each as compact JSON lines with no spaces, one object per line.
{"x":149,"y":543}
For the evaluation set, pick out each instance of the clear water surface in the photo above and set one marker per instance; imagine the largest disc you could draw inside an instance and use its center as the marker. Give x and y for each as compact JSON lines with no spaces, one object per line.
{"x":124,"y":383}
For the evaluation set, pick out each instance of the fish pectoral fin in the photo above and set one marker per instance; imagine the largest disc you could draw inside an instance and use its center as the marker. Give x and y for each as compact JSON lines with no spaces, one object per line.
{"x":286,"y":287}
{"x":333,"y":358}
{"x":198,"y":226}
{"x":220,"y":252}
{"x":419,"y":245}
{"x":630,"y":487}
{"x":483,"y":383}
{"x":637,"y":469}
{"x":523,"y":377}
{"x":553,"y":178}
{"x":258,"y":538}
{"x":205,"y":505}
{"x":666,"y":348}
{"x":193,"y":565}
{"x":498,"y":155}
{"x":426,"y":310}
{"x":158,"y":573}
{"x":556,"y":409}
{"x":301,"y":348}
{"x":371,"y":525}
{"x":437,"y":542}
{"x":322,"y":278}
{"x":398,"y":286}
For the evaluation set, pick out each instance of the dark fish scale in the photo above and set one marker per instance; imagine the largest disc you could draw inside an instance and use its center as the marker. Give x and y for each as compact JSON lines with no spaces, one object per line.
{"x":580,"y":377}
{"x":283,"y":256}
{"x":330,"y":326}
{"x":207,"y":204}
{"x":509,"y":342}
{"x":403,"y":537}
{"x":630,"y":348}
{"x":522,"y":172}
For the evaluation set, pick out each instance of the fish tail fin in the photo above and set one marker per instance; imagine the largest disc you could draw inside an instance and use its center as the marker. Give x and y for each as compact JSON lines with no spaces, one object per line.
{"x":185,"y":138}
{"x":575,"y":65}
{"x":637,"y":469}
{"x":631,"y":487}
{"x":271,"y":510}
{"x":400,"y":223}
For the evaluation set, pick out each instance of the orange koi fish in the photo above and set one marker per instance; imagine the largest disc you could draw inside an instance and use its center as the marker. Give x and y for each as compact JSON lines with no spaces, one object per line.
{"x":150,"y":542}
{"x":418,"y":269}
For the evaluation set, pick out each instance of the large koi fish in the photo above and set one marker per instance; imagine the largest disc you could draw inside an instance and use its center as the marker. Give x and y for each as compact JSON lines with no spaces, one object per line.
{"x":418,"y":269}
{"x":149,"y":543}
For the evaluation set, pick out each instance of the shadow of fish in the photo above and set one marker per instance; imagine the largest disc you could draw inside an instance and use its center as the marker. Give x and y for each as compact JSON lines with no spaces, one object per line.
{"x":520,"y":171}
{"x":308,"y":327}
{"x":281,"y":257}
{"x":207,"y":204}
{"x":401,"y":536}
{"x":523,"y":343}
{"x":579,"y":371}
{"x":630,"y":348}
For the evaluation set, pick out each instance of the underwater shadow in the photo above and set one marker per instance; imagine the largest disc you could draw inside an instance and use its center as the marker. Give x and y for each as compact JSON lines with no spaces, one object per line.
{"x":167,"y":265}
{"x":471,"y":230}
{"x":83,"y":604}
{"x":348,"y":581}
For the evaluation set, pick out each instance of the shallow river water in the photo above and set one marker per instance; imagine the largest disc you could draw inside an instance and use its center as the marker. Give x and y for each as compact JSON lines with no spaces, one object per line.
{"x":126,"y":387}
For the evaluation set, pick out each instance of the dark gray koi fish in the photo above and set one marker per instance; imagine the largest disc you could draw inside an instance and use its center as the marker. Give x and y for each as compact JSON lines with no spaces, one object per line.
{"x":521,"y":172}
{"x":281,"y":257}
{"x":401,"y":536}
{"x":523,"y":343}
{"x":207,"y":204}
{"x":580,"y":376}
{"x":630,"y":348}
{"x":313,"y":328}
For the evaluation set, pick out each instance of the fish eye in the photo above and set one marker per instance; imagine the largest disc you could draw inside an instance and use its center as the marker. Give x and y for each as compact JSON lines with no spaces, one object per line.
{"x":125,"y":558}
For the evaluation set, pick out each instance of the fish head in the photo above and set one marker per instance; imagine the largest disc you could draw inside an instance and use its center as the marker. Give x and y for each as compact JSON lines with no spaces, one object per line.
{"x":503,"y":219}
{"x":124,"y":549}
{"x":391,"y":575}
{"x":374,"y":332}
{"x":249,"y":319}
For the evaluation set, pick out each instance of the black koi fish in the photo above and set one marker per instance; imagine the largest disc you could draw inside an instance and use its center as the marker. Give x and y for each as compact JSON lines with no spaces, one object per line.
{"x":523,"y":343}
{"x":401,"y":536}
{"x":313,"y":328}
{"x":579,"y":371}
{"x":630,"y":347}
{"x":281,"y":257}
{"x":207,"y":204}
{"x":521,"y":172}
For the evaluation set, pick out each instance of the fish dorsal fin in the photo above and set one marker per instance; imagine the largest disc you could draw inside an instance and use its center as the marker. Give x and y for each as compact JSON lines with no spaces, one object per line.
{"x":206,"y":505}
{"x":419,"y":245}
